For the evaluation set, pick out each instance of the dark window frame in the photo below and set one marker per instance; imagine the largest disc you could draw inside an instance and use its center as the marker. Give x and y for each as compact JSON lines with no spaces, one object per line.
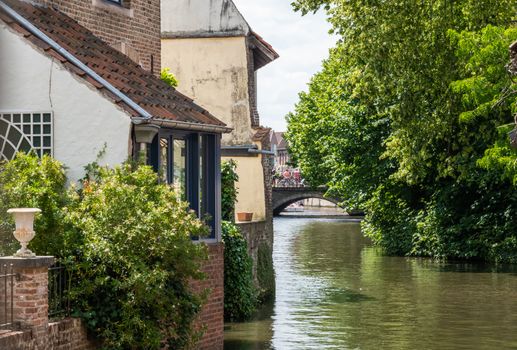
{"x":210,"y":155}
{"x":118,"y":2}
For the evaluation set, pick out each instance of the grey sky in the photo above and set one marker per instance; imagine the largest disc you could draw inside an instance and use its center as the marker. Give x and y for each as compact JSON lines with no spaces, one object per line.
{"x":302,"y":43}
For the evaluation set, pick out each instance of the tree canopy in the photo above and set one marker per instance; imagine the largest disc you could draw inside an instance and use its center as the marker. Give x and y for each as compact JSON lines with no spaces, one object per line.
{"x":409,"y":119}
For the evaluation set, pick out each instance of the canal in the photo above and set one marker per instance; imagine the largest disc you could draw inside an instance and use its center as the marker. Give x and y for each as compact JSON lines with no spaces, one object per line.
{"x":336,"y":291}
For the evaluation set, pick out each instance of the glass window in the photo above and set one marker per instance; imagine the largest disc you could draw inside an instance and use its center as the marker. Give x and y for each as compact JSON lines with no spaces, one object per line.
{"x":202,"y":177}
{"x":25,"y":132}
{"x":187,"y":161}
{"x":180,"y":167}
{"x":164,"y":159}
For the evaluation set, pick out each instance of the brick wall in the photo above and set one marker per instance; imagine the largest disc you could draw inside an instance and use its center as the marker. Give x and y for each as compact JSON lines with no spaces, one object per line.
{"x":68,"y":334}
{"x":36,"y":333}
{"x":252,"y":87}
{"x":135,"y":26}
{"x":30,"y":311}
{"x":211,"y":319}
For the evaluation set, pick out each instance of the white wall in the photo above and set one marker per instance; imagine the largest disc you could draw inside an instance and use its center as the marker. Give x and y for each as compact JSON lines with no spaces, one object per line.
{"x":201,"y":17}
{"x":84,"y":120}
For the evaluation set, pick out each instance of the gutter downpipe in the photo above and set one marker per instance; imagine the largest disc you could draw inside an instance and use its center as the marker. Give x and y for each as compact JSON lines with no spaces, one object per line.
{"x":253,"y":149}
{"x":261,"y":151}
{"x":39,"y":34}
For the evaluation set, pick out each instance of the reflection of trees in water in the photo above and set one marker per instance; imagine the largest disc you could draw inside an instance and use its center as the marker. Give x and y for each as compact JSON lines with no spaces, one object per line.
{"x":371,"y":300}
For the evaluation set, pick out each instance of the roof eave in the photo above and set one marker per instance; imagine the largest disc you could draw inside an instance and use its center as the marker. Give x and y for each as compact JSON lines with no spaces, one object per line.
{"x":175,"y":124}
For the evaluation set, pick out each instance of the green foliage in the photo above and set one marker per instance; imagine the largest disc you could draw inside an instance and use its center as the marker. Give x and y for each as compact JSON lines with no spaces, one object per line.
{"x":126,"y":238}
{"x":136,"y":260}
{"x":168,"y":77}
{"x":240,"y":297}
{"x":228,"y":190}
{"x":265,"y":272}
{"x":30,"y":182}
{"x":409,"y":119}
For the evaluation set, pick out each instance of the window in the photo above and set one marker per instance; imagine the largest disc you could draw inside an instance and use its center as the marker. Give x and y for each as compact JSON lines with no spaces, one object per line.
{"x":116,"y":1}
{"x":190,"y":163}
{"x":25,"y":132}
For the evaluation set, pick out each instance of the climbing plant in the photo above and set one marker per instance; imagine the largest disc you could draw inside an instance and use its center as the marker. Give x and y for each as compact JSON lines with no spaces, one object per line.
{"x":228,"y":189}
{"x":240,"y":297}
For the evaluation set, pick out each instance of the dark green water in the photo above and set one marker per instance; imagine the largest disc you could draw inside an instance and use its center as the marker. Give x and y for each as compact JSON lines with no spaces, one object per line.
{"x":335,"y":291}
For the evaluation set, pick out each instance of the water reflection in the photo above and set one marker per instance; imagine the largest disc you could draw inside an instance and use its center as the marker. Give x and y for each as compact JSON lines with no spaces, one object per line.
{"x":335,"y":291}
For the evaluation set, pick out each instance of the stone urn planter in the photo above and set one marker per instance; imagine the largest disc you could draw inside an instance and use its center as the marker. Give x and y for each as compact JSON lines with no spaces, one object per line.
{"x":24,"y":232}
{"x":244,"y":216}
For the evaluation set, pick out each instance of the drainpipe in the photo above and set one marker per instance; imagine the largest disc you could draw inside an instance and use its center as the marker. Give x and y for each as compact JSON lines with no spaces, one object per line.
{"x":40,"y":35}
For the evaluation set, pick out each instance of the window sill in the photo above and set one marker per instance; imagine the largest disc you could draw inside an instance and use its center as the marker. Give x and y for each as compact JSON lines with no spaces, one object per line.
{"x":113,"y":8}
{"x":207,"y":241}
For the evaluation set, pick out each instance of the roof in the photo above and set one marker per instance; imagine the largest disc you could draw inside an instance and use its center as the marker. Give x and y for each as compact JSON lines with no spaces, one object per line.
{"x":281,"y":143}
{"x":215,"y":18}
{"x":264,"y":51}
{"x":149,"y":92}
{"x":261,"y":134}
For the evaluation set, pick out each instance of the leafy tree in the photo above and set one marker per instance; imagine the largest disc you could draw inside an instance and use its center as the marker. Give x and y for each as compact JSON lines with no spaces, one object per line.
{"x":407,"y":115}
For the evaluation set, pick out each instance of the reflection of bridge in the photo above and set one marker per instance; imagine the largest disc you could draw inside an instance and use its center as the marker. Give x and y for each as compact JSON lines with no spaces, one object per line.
{"x":285,"y":196}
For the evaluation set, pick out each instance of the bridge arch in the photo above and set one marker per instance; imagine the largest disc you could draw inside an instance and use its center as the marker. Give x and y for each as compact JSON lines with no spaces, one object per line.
{"x":285,"y":196}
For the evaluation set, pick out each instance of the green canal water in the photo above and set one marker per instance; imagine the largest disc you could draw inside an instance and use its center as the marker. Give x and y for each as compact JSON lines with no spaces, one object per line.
{"x":336,"y":291}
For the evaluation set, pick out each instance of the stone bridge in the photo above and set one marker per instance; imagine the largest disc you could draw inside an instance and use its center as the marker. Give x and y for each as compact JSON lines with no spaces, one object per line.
{"x":285,"y":196}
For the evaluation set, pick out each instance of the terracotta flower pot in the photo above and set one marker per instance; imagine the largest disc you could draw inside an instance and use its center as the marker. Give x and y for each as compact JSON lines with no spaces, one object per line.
{"x":244,"y":216}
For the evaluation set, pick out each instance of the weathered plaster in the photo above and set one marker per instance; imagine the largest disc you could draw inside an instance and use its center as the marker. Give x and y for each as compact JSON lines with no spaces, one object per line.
{"x":251,"y":197}
{"x":201,"y":18}
{"x":213,"y":71}
{"x":84,"y":119}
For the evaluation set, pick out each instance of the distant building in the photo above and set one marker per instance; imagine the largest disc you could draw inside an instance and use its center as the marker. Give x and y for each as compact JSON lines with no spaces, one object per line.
{"x":279,"y":146}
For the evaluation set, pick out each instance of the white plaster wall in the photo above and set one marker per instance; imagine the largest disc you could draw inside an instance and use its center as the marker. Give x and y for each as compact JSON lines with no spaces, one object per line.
{"x":214,"y":72}
{"x":201,"y":17}
{"x":84,"y":120}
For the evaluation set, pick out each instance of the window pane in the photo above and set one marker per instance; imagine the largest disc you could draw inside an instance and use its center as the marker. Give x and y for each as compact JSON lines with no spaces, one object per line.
{"x":46,"y":141}
{"x":164,"y":159}
{"x":180,"y":167}
{"x":202,"y":176}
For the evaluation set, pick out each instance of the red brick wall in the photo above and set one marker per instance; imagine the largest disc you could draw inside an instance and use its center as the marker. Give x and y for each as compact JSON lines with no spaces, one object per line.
{"x":211,"y":318}
{"x":137,"y":23}
{"x":67,"y":334}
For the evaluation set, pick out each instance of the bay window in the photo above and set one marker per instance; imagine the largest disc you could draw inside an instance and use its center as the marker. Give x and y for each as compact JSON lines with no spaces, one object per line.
{"x":190,"y":162}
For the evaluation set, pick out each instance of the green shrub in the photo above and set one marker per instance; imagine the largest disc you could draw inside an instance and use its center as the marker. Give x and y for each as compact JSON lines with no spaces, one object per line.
{"x":126,"y":238}
{"x":27,"y":181}
{"x":137,"y":259}
{"x":228,"y":191}
{"x":240,"y":297}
